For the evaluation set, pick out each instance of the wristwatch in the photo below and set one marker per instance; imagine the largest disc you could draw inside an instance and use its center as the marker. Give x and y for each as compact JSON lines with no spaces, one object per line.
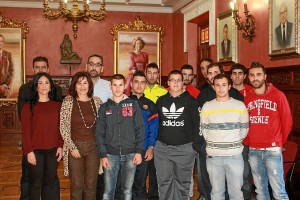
{"x":151,"y":147}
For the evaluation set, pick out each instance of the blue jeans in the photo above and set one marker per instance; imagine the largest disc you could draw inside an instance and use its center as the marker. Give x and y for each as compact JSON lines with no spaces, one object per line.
{"x":229,"y":168}
{"x":111,"y":175}
{"x":267,"y":165}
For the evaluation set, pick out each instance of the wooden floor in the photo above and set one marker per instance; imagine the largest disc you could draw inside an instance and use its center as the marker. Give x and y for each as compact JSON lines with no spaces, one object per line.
{"x":10,"y":170}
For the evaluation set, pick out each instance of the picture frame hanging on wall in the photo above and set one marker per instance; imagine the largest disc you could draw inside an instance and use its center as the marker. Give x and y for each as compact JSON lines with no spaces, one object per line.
{"x":12,"y":63}
{"x":226,"y":38}
{"x":284,"y":28}
{"x":136,"y":44}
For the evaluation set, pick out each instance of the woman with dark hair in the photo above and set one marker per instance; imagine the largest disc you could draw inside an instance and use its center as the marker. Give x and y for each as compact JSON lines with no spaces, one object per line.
{"x":138,"y":60}
{"x":41,"y":139}
{"x":77,"y":125}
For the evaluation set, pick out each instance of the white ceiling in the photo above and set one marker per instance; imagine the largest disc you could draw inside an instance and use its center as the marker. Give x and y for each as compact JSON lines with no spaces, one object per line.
{"x":157,"y":6}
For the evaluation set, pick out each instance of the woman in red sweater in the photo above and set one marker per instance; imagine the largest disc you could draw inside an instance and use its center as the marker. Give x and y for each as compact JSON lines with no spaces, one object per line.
{"x":42,"y":142}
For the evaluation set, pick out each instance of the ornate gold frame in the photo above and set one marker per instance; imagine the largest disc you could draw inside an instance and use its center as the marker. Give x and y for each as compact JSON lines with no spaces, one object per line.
{"x":293,"y":14}
{"x":136,"y":28}
{"x":9,"y":23}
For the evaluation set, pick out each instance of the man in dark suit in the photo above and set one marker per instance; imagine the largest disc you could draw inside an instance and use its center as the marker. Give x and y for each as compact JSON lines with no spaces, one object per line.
{"x":284,"y":30}
{"x":226,"y":43}
{"x":6,"y":70}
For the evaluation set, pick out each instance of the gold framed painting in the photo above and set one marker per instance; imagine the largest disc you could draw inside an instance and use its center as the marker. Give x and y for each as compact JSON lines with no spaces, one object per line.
{"x":12,"y":59}
{"x":226,"y":38}
{"x":136,"y":44}
{"x":283,"y":28}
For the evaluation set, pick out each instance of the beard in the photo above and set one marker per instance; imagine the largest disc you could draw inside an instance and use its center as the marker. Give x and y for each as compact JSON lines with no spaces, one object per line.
{"x":186,"y":82}
{"x":257,"y":84}
{"x":94,"y":73}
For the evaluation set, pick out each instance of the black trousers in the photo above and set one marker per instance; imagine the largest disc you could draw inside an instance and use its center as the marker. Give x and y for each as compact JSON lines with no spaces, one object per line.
{"x":24,"y":183}
{"x":43,"y":174}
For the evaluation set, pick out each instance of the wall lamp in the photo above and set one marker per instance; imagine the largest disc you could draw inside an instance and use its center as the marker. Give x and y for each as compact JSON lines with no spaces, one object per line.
{"x":248,"y":26}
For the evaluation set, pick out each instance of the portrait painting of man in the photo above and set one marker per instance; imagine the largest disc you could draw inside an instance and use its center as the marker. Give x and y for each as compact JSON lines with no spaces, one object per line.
{"x":283,"y":25}
{"x":226,"y":43}
{"x":11,"y":70}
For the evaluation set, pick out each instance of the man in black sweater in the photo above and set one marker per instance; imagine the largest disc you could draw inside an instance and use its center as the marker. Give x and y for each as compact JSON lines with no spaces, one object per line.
{"x":174,"y":155}
{"x":208,"y":94}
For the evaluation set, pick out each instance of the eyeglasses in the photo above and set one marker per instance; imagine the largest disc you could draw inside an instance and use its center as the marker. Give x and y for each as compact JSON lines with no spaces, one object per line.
{"x":175,"y":80}
{"x":40,"y":67}
{"x":91,"y":64}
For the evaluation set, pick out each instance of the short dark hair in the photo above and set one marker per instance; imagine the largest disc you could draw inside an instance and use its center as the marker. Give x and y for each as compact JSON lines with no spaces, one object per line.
{"x":187,"y":66}
{"x":257,"y":65}
{"x":217,"y":64}
{"x":175,"y":71}
{"x":139,"y":73}
{"x":75,"y":80}
{"x":152,"y":65}
{"x":40,"y":59}
{"x":220,"y":76}
{"x":238,"y":66}
{"x":35,"y":81}
{"x":95,"y":55}
{"x":207,"y":60}
{"x":225,"y":26}
{"x":117,"y":77}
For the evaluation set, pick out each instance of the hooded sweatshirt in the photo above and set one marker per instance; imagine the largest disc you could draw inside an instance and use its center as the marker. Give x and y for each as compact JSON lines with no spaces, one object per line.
{"x":270,"y":118}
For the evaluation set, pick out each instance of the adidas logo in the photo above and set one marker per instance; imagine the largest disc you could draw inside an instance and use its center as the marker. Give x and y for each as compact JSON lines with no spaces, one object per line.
{"x":173,"y":113}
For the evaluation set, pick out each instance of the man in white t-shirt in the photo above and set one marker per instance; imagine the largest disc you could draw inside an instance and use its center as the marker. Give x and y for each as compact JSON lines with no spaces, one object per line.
{"x":94,"y":67}
{"x":101,"y":87}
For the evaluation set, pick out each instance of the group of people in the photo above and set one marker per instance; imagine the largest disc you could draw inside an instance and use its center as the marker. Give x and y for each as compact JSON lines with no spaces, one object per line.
{"x":111,"y":142}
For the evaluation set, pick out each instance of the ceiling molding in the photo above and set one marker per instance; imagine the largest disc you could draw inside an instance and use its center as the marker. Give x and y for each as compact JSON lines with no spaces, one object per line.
{"x":151,"y":6}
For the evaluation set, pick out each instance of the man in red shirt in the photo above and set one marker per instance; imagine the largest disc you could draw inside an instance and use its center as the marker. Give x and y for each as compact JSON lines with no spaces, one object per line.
{"x":238,"y":75}
{"x":270,"y":125}
{"x":188,"y":76}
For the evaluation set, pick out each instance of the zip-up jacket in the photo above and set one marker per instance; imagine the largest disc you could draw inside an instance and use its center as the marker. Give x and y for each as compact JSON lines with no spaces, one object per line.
{"x":120,"y":128}
{"x":150,"y":119}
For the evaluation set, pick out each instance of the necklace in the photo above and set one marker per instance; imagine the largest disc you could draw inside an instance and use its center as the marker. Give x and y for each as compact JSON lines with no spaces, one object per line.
{"x":82,"y":117}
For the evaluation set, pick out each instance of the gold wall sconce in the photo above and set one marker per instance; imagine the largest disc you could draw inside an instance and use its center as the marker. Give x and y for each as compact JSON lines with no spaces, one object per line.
{"x":75,"y":14}
{"x":248,"y":26}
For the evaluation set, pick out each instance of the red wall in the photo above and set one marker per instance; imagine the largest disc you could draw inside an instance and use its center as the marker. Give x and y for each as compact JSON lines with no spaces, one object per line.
{"x":179,"y":57}
{"x":45,"y":37}
{"x":258,"y":50}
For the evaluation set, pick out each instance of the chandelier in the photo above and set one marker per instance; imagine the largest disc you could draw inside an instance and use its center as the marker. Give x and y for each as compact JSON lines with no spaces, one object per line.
{"x":75,"y":14}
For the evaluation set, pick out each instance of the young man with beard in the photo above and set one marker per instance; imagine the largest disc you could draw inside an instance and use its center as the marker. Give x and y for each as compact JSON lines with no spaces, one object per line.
{"x":224,"y":125}
{"x":39,"y":64}
{"x":238,"y":74}
{"x":188,"y":76}
{"x":174,"y":155}
{"x":150,"y":117}
{"x":270,"y":125}
{"x":101,"y":87}
{"x":203,"y":67}
{"x":102,"y":90}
